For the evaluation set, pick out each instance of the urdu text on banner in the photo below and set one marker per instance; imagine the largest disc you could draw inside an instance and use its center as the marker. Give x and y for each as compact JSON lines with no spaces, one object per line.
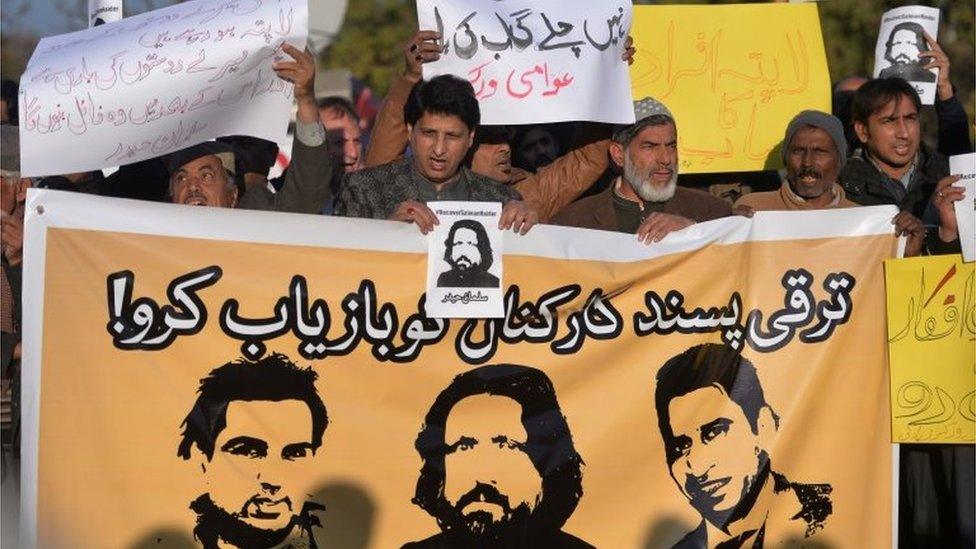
{"x":278,"y":372}
{"x":538,"y":61}
{"x":157,"y":82}
{"x":733,"y":76}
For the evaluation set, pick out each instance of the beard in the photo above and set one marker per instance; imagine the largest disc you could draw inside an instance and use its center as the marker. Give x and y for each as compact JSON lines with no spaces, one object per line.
{"x":214,"y":523}
{"x":478,"y":527}
{"x":464,"y":263}
{"x":640,"y":181}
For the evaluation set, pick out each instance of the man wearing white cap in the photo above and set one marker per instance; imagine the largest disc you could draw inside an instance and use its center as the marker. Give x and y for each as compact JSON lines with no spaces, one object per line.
{"x":646,"y":199}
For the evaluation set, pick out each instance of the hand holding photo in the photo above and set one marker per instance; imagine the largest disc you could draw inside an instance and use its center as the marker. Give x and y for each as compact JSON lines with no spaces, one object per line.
{"x":901,"y":43}
{"x":464,"y":261}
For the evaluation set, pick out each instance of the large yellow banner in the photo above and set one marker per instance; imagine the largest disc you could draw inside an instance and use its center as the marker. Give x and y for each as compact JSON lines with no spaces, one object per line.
{"x":932,"y":349}
{"x":733,"y":75}
{"x":224,"y":378}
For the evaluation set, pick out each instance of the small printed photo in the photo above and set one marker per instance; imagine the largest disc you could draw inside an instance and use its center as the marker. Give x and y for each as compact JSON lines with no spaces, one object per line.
{"x":468,"y":257}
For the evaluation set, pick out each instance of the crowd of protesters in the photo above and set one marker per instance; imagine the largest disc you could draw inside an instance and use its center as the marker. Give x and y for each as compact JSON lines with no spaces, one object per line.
{"x":427,"y":143}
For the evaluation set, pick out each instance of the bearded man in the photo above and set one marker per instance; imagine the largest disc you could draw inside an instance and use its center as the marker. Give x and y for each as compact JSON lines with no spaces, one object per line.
{"x":646,"y":199}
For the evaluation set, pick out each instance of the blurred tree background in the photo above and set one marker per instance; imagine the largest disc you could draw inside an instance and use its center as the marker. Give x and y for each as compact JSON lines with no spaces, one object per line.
{"x":370,"y":42}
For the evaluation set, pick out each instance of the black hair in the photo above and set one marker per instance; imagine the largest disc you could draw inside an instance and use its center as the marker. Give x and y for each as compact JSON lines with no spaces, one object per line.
{"x":446,"y":95}
{"x":549,"y":446}
{"x":875,"y":94}
{"x":252,"y":154}
{"x":273,"y":378}
{"x":484,"y":245}
{"x":708,"y":365}
{"x":909,"y":26}
{"x":338,"y":105}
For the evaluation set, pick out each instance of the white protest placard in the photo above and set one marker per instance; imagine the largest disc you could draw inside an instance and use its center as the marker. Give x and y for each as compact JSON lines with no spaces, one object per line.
{"x":964,"y":165}
{"x":535,"y":61}
{"x":900,"y":40}
{"x":157,"y":82}
{"x":464,"y":261}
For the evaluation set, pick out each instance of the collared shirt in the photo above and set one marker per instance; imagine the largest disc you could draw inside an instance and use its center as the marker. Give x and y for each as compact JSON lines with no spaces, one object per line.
{"x":631,"y":213}
{"x":457,"y":189}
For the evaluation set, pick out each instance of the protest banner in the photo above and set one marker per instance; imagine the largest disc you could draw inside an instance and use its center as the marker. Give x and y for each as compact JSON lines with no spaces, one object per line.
{"x":157,"y":82}
{"x":901,"y":38}
{"x":733,"y":76}
{"x":140,"y":428}
{"x":964,"y":165}
{"x":538,"y":61}
{"x":931,"y":329}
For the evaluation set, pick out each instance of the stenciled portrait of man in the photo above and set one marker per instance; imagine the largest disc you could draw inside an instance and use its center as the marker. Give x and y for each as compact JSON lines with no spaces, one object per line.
{"x":468,"y":252}
{"x":905,"y":42}
{"x":499,"y":465}
{"x":254,"y":428}
{"x":717,"y":429}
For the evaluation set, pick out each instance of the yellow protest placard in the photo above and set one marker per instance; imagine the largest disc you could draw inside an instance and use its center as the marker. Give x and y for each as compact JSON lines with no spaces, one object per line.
{"x":931,"y":348}
{"x":733,"y":76}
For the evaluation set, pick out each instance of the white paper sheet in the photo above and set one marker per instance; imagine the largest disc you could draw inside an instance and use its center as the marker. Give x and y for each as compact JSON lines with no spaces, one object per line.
{"x":464,"y":261}
{"x":536,"y":61}
{"x":900,"y":40}
{"x":157,"y":82}
{"x":965,"y":166}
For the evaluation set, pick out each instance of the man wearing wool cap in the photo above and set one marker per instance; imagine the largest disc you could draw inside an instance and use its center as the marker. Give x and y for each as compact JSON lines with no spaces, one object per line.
{"x":814,"y":150}
{"x":814,"y":153}
{"x":645,"y":199}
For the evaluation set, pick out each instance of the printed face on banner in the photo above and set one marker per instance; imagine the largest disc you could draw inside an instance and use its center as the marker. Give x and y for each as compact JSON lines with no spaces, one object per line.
{"x":465,"y":254}
{"x":627,"y":398}
{"x":499,"y":462}
{"x":254,"y":430}
{"x":716,"y":427}
{"x":901,"y":39}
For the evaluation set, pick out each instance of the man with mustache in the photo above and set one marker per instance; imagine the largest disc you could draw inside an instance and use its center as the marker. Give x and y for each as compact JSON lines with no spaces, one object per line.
{"x":814,"y":154}
{"x":645,"y":199}
{"x":254,"y":431}
{"x":905,"y":42}
{"x":547,"y":190}
{"x":468,"y":252}
{"x":499,"y":466}
{"x":204,"y":174}
{"x":442,"y":115}
{"x":892,"y":165}
{"x":717,"y":429}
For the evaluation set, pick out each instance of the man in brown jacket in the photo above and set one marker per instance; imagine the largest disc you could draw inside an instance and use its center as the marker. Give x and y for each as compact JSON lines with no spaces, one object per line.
{"x":645,"y":200}
{"x":547,"y":191}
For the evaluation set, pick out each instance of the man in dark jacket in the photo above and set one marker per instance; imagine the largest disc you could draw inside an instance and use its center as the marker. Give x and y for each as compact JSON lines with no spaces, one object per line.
{"x":204,"y":175}
{"x":442,"y":115}
{"x":645,"y":199}
{"x":892,"y":165}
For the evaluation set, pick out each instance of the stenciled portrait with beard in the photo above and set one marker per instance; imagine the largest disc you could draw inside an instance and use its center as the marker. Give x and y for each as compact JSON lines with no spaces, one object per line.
{"x":499,"y":465}
{"x":467,"y":251}
{"x":254,"y":429}
{"x":905,"y":41}
{"x":717,"y":429}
